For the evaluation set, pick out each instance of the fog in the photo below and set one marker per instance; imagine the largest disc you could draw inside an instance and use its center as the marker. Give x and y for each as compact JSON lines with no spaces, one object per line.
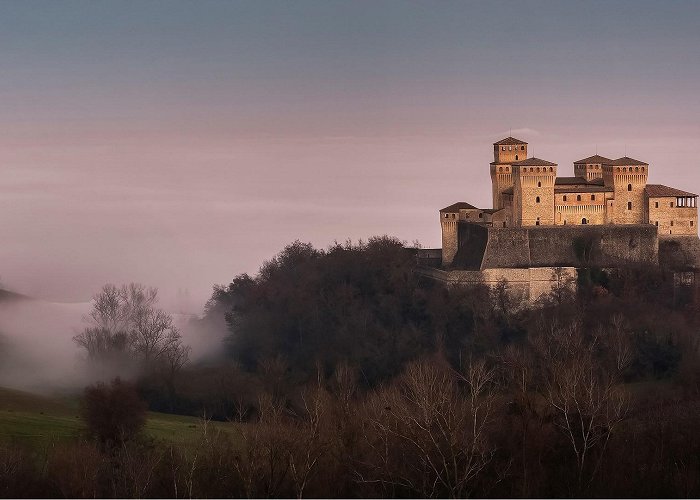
{"x":37,"y":352}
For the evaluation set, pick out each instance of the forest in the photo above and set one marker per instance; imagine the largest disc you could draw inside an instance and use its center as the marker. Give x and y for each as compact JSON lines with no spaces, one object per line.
{"x":343,"y":373}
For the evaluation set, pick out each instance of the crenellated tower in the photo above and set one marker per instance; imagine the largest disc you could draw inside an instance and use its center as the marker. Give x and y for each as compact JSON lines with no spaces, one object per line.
{"x":533,"y":192}
{"x":628,"y":178}
{"x":505,"y":153}
{"x":590,"y":168}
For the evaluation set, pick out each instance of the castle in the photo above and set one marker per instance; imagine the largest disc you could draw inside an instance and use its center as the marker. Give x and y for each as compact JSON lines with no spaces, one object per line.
{"x":527,"y":192}
{"x":542,"y":228}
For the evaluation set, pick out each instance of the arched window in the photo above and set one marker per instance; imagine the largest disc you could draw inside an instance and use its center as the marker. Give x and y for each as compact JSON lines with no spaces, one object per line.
{"x":629,"y":187}
{"x":629,"y":205}
{"x":522,"y":148}
{"x":500,"y":169}
{"x":537,"y":222}
{"x":503,"y":148}
{"x":516,"y":157}
{"x":584,"y":221}
{"x":539,"y":184}
{"x":592,"y":197}
{"x":551,"y":169}
{"x":564,"y":198}
{"x":578,"y":197}
{"x":537,"y":200}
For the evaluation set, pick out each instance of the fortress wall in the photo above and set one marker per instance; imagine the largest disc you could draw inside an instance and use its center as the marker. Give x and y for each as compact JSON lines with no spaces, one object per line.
{"x":524,"y":286}
{"x":602,"y":246}
{"x":680,"y":252}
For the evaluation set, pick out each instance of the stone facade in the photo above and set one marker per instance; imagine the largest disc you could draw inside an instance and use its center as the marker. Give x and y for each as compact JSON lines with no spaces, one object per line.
{"x":523,"y":286}
{"x":527,"y":192}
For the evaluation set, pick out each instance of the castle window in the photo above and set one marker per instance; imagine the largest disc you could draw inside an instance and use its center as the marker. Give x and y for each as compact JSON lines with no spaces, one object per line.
{"x":629,"y":205}
{"x":537,"y":222}
{"x":481,"y":215}
{"x":564,"y":198}
{"x":516,"y":157}
{"x":503,"y":148}
{"x":629,"y":187}
{"x":537,"y":200}
{"x":551,"y":169}
{"x":539,"y":184}
{"x":657,"y":223}
{"x":671,"y":223}
{"x":453,"y":216}
{"x":656,"y":204}
{"x":504,"y":224}
{"x":593,"y":197}
{"x":584,"y":221}
{"x":522,"y":148}
{"x":510,"y":148}
{"x":671,"y":204}
{"x":578,"y":197}
{"x":447,"y":216}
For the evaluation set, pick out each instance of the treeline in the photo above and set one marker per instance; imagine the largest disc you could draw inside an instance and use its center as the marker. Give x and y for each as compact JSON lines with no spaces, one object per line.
{"x":548,"y":418}
{"x":347,"y":375}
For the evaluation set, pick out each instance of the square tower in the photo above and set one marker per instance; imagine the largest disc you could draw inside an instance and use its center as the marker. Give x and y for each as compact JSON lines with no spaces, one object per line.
{"x":628,"y":178}
{"x":505,"y":152}
{"x":533,"y":192}
{"x":590,"y":168}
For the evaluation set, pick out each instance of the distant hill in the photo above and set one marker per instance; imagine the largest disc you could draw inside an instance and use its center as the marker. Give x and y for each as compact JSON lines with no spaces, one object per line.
{"x":7,"y":296}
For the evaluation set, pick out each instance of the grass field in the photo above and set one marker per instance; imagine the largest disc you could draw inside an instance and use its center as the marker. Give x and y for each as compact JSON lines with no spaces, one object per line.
{"x":38,"y":420}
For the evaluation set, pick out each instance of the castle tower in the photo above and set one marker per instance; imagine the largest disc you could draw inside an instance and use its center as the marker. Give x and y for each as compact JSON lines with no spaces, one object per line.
{"x":533,"y":192}
{"x":505,"y":153}
{"x":628,"y":178}
{"x":590,"y":168}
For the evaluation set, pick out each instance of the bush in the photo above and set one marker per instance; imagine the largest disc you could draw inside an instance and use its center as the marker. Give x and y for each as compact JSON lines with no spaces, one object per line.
{"x":113,"y":413}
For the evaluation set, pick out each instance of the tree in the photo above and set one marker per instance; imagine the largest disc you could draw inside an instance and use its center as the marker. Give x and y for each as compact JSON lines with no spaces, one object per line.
{"x":125,"y":324}
{"x":114,"y":413}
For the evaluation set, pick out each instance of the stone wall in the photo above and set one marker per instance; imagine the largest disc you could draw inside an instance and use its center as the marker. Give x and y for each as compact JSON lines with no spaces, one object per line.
{"x":558,"y":246}
{"x":680,"y":252}
{"x":524,"y":286}
{"x":671,"y":219}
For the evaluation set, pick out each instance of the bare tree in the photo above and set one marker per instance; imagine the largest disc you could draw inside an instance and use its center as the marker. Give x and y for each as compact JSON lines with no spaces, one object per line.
{"x":125,"y":321}
{"x":586,"y":401}
{"x":430,"y":430}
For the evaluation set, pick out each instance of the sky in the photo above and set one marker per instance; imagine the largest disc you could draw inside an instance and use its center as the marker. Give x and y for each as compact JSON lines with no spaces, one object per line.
{"x":179,"y":144}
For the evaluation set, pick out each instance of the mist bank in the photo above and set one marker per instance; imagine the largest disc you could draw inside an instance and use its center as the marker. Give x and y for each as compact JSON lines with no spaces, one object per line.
{"x":37,"y":351}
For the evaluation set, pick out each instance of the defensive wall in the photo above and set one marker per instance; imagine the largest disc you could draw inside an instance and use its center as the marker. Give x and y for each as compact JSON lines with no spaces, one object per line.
{"x":482,"y":248}
{"x":522,"y":285}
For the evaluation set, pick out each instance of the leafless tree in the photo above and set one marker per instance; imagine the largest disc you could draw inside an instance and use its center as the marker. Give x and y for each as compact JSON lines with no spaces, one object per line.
{"x":125,"y":321}
{"x":429,"y":431}
{"x":586,"y":401}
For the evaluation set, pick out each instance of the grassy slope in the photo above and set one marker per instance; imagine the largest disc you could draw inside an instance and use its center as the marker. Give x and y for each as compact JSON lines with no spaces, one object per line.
{"x":35,"y":419}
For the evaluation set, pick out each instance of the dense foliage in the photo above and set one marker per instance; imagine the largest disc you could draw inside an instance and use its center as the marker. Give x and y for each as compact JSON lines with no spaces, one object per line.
{"x":348,"y":375}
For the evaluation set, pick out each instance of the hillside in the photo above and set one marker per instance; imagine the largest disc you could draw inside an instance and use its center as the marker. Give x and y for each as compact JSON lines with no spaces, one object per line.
{"x":38,"y":420}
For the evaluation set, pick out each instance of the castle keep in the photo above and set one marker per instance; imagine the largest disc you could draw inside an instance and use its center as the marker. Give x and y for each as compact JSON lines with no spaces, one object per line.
{"x":527,"y":193}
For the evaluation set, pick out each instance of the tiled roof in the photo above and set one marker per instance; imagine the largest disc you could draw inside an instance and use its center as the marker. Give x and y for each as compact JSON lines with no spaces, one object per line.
{"x":595,"y":159}
{"x":534,"y":162}
{"x":625,"y":161}
{"x":509,"y":141}
{"x":661,"y":191}
{"x":455,"y":207}
{"x":570,"y":180}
